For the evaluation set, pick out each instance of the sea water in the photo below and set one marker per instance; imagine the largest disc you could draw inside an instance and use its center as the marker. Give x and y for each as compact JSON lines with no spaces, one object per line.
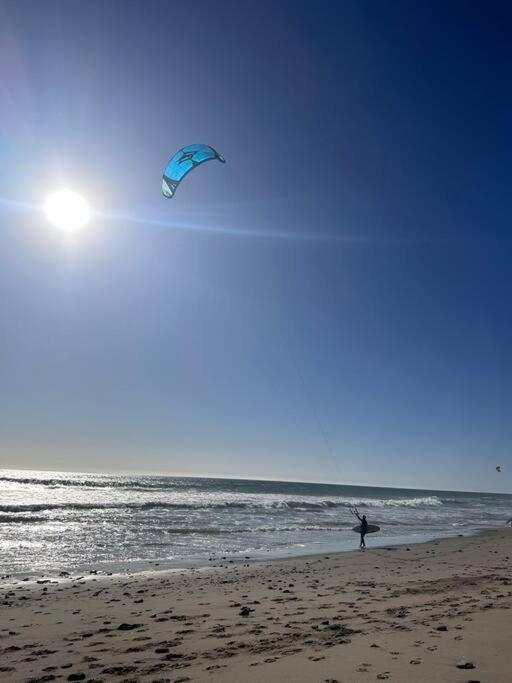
{"x":68,"y":521}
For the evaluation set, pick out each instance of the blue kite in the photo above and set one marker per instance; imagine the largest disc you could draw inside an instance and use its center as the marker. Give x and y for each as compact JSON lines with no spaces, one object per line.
{"x":183,"y":162}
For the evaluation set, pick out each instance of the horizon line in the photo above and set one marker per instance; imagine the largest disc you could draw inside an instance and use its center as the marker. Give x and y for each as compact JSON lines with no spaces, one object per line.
{"x":184,"y":475}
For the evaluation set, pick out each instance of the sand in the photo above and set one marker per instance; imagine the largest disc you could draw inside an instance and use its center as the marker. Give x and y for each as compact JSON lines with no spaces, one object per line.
{"x":410,"y":613}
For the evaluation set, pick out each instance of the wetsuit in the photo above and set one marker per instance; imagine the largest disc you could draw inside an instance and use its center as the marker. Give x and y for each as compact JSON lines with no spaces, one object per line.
{"x":364,"y":530}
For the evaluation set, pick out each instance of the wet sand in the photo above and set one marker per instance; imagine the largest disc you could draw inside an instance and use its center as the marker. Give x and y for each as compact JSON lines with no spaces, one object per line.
{"x":439,"y":611}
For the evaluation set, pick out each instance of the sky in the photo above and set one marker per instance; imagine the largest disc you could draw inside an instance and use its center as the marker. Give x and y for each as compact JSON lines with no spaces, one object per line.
{"x":332,"y":304}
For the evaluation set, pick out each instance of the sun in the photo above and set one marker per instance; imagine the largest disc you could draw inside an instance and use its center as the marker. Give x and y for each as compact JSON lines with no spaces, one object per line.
{"x":67,"y":210}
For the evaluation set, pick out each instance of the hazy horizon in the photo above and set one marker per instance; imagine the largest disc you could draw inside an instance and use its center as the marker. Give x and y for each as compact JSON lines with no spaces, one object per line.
{"x":232,"y":477}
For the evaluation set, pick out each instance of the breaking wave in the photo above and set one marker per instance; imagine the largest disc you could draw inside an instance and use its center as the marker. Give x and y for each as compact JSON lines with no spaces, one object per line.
{"x":300,"y":505}
{"x":55,"y":482}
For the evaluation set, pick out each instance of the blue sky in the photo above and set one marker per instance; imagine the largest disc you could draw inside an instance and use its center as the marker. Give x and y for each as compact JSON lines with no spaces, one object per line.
{"x":332,"y":304}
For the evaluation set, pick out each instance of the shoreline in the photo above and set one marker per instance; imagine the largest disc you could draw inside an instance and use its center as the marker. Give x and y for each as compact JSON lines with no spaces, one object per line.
{"x":124,"y":525}
{"x":288,"y":553}
{"x":410,"y":612}
{"x":63,"y":577}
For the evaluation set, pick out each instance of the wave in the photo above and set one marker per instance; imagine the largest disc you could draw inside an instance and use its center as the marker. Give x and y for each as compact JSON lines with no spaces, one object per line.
{"x":172,"y":486}
{"x":299,"y":505}
{"x":219,"y":531}
{"x":204,"y":531}
{"x":133,"y":485}
{"x":8,"y":519}
{"x":426,"y":501}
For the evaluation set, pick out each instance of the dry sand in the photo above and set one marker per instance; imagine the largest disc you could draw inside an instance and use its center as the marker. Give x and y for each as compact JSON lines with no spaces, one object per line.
{"x":410,"y":613}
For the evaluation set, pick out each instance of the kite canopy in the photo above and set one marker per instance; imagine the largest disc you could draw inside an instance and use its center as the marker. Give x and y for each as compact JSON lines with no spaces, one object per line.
{"x":183,"y":162}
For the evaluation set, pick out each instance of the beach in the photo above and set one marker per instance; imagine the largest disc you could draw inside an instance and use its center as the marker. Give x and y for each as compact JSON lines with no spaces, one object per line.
{"x":431,"y":611}
{"x":255,"y":345}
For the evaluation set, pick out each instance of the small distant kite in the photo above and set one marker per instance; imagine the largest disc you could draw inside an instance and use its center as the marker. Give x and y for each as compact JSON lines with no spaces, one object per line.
{"x":184,"y":161}
{"x":498,"y":468}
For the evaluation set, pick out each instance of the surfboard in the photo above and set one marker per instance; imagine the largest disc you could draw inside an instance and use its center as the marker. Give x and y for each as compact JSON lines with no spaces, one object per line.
{"x":372,"y":528}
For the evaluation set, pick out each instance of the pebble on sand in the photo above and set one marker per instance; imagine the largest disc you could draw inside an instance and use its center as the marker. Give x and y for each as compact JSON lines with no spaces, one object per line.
{"x":463,"y":664}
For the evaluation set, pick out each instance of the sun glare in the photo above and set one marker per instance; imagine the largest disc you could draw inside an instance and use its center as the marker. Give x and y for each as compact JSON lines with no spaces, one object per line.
{"x":67,"y":210}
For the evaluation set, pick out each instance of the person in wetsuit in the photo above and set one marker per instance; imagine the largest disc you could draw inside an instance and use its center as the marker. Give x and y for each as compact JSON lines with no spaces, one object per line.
{"x":364,"y":528}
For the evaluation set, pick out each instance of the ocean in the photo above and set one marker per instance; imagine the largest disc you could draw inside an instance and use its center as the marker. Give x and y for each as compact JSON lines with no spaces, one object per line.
{"x":54,"y":521}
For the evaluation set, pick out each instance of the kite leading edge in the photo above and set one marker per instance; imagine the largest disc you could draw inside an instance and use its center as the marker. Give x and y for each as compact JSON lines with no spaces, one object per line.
{"x":186,"y":159}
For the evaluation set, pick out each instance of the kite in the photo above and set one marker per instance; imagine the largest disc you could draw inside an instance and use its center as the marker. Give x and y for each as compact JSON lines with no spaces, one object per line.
{"x":184,"y":161}
{"x":498,"y":468}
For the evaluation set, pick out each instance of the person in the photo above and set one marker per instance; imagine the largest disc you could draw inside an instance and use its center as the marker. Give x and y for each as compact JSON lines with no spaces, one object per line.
{"x":364,"y":528}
